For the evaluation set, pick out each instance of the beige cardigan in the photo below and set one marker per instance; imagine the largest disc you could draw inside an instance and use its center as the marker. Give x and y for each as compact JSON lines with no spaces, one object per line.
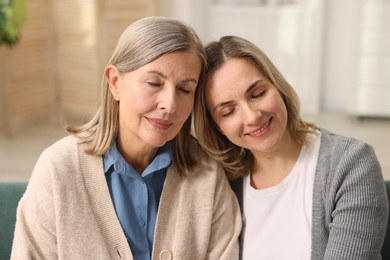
{"x":67,"y":212}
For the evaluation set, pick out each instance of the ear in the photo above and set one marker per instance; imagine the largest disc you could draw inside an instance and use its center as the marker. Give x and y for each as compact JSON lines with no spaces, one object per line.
{"x":112,"y":76}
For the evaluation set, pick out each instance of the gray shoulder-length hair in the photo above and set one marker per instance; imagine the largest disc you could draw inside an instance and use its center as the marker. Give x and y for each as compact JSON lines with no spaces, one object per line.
{"x":141,"y":43}
{"x":234,"y":159}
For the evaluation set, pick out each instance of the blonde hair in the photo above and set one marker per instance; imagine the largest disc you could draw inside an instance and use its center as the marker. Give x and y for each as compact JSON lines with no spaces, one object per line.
{"x":141,"y":43}
{"x":234,"y":159}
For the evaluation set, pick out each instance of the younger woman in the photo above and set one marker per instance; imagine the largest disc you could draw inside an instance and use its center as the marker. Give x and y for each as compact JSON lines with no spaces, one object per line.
{"x":305,"y":193}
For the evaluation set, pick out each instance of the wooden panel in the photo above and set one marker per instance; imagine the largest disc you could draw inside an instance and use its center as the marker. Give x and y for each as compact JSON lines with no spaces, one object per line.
{"x":27,"y":88}
{"x":116,"y":16}
{"x":77,"y":54}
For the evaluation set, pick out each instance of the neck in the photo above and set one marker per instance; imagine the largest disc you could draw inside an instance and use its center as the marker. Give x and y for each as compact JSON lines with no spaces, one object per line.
{"x":138,"y":154}
{"x":269,"y":169}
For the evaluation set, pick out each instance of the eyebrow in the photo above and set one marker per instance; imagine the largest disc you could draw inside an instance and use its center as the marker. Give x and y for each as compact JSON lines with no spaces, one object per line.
{"x":165,"y":77}
{"x":251,"y":86}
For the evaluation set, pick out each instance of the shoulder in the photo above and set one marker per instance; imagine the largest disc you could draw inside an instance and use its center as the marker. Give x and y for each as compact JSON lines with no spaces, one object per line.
{"x":66,"y":143}
{"x":338,"y":147}
{"x":207,"y":164}
{"x":63,"y":157}
{"x":199,"y":153}
{"x":208,"y":171}
{"x":341,"y":157}
{"x":337,"y":141}
{"x":207,"y":184}
{"x":61,"y":150}
{"x":54,"y":161}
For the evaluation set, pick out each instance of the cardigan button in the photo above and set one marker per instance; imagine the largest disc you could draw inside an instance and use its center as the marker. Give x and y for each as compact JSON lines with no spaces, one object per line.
{"x":165,"y":255}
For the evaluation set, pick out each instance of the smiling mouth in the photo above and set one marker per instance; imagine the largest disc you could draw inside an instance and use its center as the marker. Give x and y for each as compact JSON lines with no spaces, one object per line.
{"x":262,"y":130}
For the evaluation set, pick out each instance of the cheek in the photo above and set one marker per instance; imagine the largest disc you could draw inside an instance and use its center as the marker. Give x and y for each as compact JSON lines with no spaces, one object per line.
{"x":228,"y":127}
{"x":185,"y":108}
{"x":131,"y":106}
{"x":275,"y":103}
{"x":281,"y":106}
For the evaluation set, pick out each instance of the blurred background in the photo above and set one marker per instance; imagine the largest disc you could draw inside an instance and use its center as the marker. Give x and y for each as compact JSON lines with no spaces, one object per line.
{"x":334,"y":52}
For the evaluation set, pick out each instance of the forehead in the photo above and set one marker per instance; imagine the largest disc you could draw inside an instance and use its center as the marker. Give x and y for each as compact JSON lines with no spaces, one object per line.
{"x":180,"y":63}
{"x":235,"y":75}
{"x":233,"y":70}
{"x":178,"y":57}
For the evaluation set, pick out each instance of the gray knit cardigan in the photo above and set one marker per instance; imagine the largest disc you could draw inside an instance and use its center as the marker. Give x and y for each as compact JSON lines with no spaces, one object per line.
{"x":350,"y":208}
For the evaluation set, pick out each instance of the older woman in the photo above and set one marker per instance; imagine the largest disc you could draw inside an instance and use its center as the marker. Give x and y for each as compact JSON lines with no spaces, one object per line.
{"x":132,"y":183}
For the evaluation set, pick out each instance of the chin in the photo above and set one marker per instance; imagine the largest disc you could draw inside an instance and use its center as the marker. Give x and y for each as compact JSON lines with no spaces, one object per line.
{"x":159,"y":139}
{"x":158,"y":142}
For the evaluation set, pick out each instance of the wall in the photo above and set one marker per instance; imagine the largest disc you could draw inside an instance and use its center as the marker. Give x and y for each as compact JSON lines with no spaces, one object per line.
{"x":195,"y":13}
{"x":373,"y":87}
{"x":341,"y":44}
{"x":358,"y":58}
{"x":290,"y":34}
{"x":332,"y":44}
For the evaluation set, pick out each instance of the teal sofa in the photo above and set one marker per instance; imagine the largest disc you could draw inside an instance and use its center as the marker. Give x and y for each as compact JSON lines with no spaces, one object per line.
{"x":10,"y":194}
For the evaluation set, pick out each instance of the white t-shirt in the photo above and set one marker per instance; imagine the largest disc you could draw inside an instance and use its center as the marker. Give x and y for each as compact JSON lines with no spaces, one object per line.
{"x":277,"y":220}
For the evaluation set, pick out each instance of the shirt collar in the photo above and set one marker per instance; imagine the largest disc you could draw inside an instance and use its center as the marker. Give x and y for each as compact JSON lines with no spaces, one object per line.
{"x":162,"y":160}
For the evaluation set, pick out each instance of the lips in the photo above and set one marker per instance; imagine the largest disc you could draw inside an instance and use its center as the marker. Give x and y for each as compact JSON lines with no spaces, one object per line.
{"x":161,"y":124}
{"x":262,"y":130}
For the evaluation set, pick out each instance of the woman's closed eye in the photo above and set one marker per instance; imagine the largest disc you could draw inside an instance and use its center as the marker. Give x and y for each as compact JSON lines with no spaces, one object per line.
{"x":154,"y":83}
{"x":185,"y":91}
{"x":187,"y":88}
{"x":258,"y":93}
{"x":227,"y":111}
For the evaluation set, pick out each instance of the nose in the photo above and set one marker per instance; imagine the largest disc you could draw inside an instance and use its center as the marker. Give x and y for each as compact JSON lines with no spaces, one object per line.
{"x":168,"y":101}
{"x":249,"y":114}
